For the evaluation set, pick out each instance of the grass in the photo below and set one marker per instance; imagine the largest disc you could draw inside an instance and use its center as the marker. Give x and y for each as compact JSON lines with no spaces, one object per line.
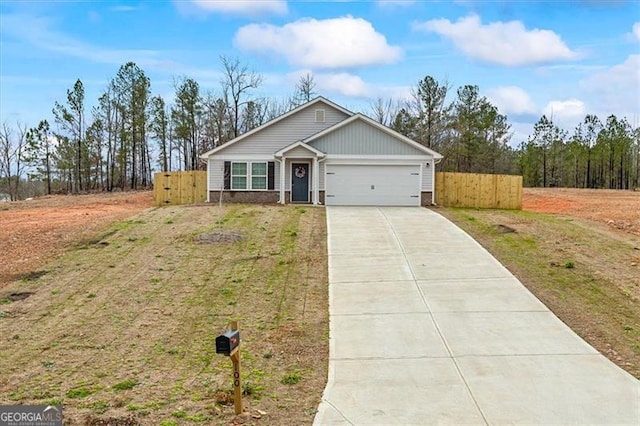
{"x":79,"y":393}
{"x":582,"y":273}
{"x":291,"y":378}
{"x":131,"y":318}
{"x":125,"y":385}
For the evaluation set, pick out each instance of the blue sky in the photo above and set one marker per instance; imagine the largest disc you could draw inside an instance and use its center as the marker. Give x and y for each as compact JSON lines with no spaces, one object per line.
{"x":565,"y":58}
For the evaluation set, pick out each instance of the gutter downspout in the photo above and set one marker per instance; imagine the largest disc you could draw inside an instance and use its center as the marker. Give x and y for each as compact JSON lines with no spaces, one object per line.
{"x":321,"y":160}
{"x":281,"y":161}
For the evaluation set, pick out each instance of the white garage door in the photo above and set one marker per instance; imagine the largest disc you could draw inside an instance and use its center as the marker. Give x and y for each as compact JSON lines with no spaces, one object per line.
{"x":372,"y":185}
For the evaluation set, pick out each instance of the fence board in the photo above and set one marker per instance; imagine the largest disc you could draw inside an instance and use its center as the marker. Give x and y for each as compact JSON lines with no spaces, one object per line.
{"x":478,"y":190}
{"x":173,"y":188}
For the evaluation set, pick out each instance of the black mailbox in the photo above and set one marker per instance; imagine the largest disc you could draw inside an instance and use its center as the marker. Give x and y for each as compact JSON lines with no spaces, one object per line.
{"x":227,"y":342}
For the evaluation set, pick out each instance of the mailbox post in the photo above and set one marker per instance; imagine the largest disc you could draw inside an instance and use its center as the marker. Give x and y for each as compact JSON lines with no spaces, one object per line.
{"x":229,"y":344}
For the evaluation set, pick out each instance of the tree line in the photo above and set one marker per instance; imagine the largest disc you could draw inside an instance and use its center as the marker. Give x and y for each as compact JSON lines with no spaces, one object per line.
{"x":129,"y":133}
{"x":474,"y":137}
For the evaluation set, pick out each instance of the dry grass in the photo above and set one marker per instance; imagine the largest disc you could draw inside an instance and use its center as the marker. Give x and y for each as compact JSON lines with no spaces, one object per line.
{"x":121,"y":330}
{"x":588,"y":275}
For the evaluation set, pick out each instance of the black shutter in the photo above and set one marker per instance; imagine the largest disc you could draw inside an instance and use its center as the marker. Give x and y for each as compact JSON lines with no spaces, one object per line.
{"x":227,"y":175}
{"x":271,"y":171}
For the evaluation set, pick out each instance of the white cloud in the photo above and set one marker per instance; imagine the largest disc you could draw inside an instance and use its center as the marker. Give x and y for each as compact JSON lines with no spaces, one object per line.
{"x":342,"y":83}
{"x":569,"y":111}
{"x":125,"y":8}
{"x":235,"y":7}
{"x":329,"y":43}
{"x":616,"y":90}
{"x":520,"y":132}
{"x":512,"y":100}
{"x":501,"y":43}
{"x":636,"y":30}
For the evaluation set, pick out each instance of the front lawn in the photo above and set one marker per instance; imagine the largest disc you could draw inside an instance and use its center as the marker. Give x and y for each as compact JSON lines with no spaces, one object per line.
{"x":122,"y":327}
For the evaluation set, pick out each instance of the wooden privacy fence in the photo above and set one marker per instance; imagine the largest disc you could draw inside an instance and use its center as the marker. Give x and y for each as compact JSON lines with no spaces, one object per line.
{"x":451,"y":189}
{"x":173,"y":188}
{"x":479,"y":190}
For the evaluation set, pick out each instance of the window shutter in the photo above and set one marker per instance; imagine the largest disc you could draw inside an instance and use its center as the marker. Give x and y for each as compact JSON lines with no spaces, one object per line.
{"x":271,"y":172}
{"x":227,"y":175}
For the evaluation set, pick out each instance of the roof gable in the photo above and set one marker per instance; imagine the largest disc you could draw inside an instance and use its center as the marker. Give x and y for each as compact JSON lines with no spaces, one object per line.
{"x":299,"y":146}
{"x":360,"y":134}
{"x":317,"y":102}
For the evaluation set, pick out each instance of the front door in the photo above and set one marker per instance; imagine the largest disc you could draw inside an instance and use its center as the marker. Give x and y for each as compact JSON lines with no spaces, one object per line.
{"x":300,"y":183}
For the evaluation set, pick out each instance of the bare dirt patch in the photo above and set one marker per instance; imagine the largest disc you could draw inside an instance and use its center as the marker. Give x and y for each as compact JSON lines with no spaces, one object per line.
{"x":34,"y":232}
{"x":616,"y":209}
{"x":218,"y":237}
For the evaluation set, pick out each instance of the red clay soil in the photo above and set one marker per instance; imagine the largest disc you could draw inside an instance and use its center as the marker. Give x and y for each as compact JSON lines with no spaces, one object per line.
{"x":34,"y":232}
{"x":617,"y":209}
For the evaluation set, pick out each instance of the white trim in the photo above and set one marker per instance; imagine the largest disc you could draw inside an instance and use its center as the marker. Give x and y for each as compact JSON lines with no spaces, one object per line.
{"x":245,"y":157}
{"x":295,"y":145}
{"x":309,"y":182}
{"x":275,"y":120}
{"x":316,"y":182}
{"x":283,"y":177}
{"x":377,"y":125}
{"x":209,"y":180}
{"x":433,"y":183}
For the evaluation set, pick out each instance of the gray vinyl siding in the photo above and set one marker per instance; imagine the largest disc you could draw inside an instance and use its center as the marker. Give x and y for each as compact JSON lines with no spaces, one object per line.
{"x":285,"y":132}
{"x":427,"y":178}
{"x":216,"y":174}
{"x":360,"y":138}
{"x":321,"y":183}
{"x":300,"y":152}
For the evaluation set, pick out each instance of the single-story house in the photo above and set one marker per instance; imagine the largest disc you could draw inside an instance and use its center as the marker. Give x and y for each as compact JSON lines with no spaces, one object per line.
{"x":321,"y":153}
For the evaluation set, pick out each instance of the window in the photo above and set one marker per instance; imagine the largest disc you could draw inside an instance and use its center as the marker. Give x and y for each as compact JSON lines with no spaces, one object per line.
{"x":238,"y":175}
{"x":319,"y":116}
{"x":258,"y":175}
{"x":249,"y":175}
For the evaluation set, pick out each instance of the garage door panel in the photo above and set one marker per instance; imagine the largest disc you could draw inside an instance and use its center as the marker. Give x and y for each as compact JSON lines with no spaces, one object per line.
{"x":370,"y":185}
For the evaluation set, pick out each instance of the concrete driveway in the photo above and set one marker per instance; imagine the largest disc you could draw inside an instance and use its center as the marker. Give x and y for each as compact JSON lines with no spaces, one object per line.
{"x":428,"y":328}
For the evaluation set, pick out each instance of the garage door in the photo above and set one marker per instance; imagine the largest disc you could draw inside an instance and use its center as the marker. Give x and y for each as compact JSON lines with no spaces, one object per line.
{"x":372,"y":185}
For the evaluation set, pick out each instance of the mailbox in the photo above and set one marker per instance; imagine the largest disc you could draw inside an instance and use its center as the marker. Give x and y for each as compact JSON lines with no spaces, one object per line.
{"x":227,"y":342}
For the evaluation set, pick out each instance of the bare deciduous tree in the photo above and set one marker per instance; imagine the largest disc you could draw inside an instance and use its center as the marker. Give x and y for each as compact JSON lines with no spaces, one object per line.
{"x":304,"y":89}
{"x":237,"y":82}
{"x":384,"y":110}
{"x":12,"y":151}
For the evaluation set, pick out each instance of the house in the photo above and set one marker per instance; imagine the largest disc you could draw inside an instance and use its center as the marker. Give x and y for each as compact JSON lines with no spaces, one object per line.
{"x":321,"y":153}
